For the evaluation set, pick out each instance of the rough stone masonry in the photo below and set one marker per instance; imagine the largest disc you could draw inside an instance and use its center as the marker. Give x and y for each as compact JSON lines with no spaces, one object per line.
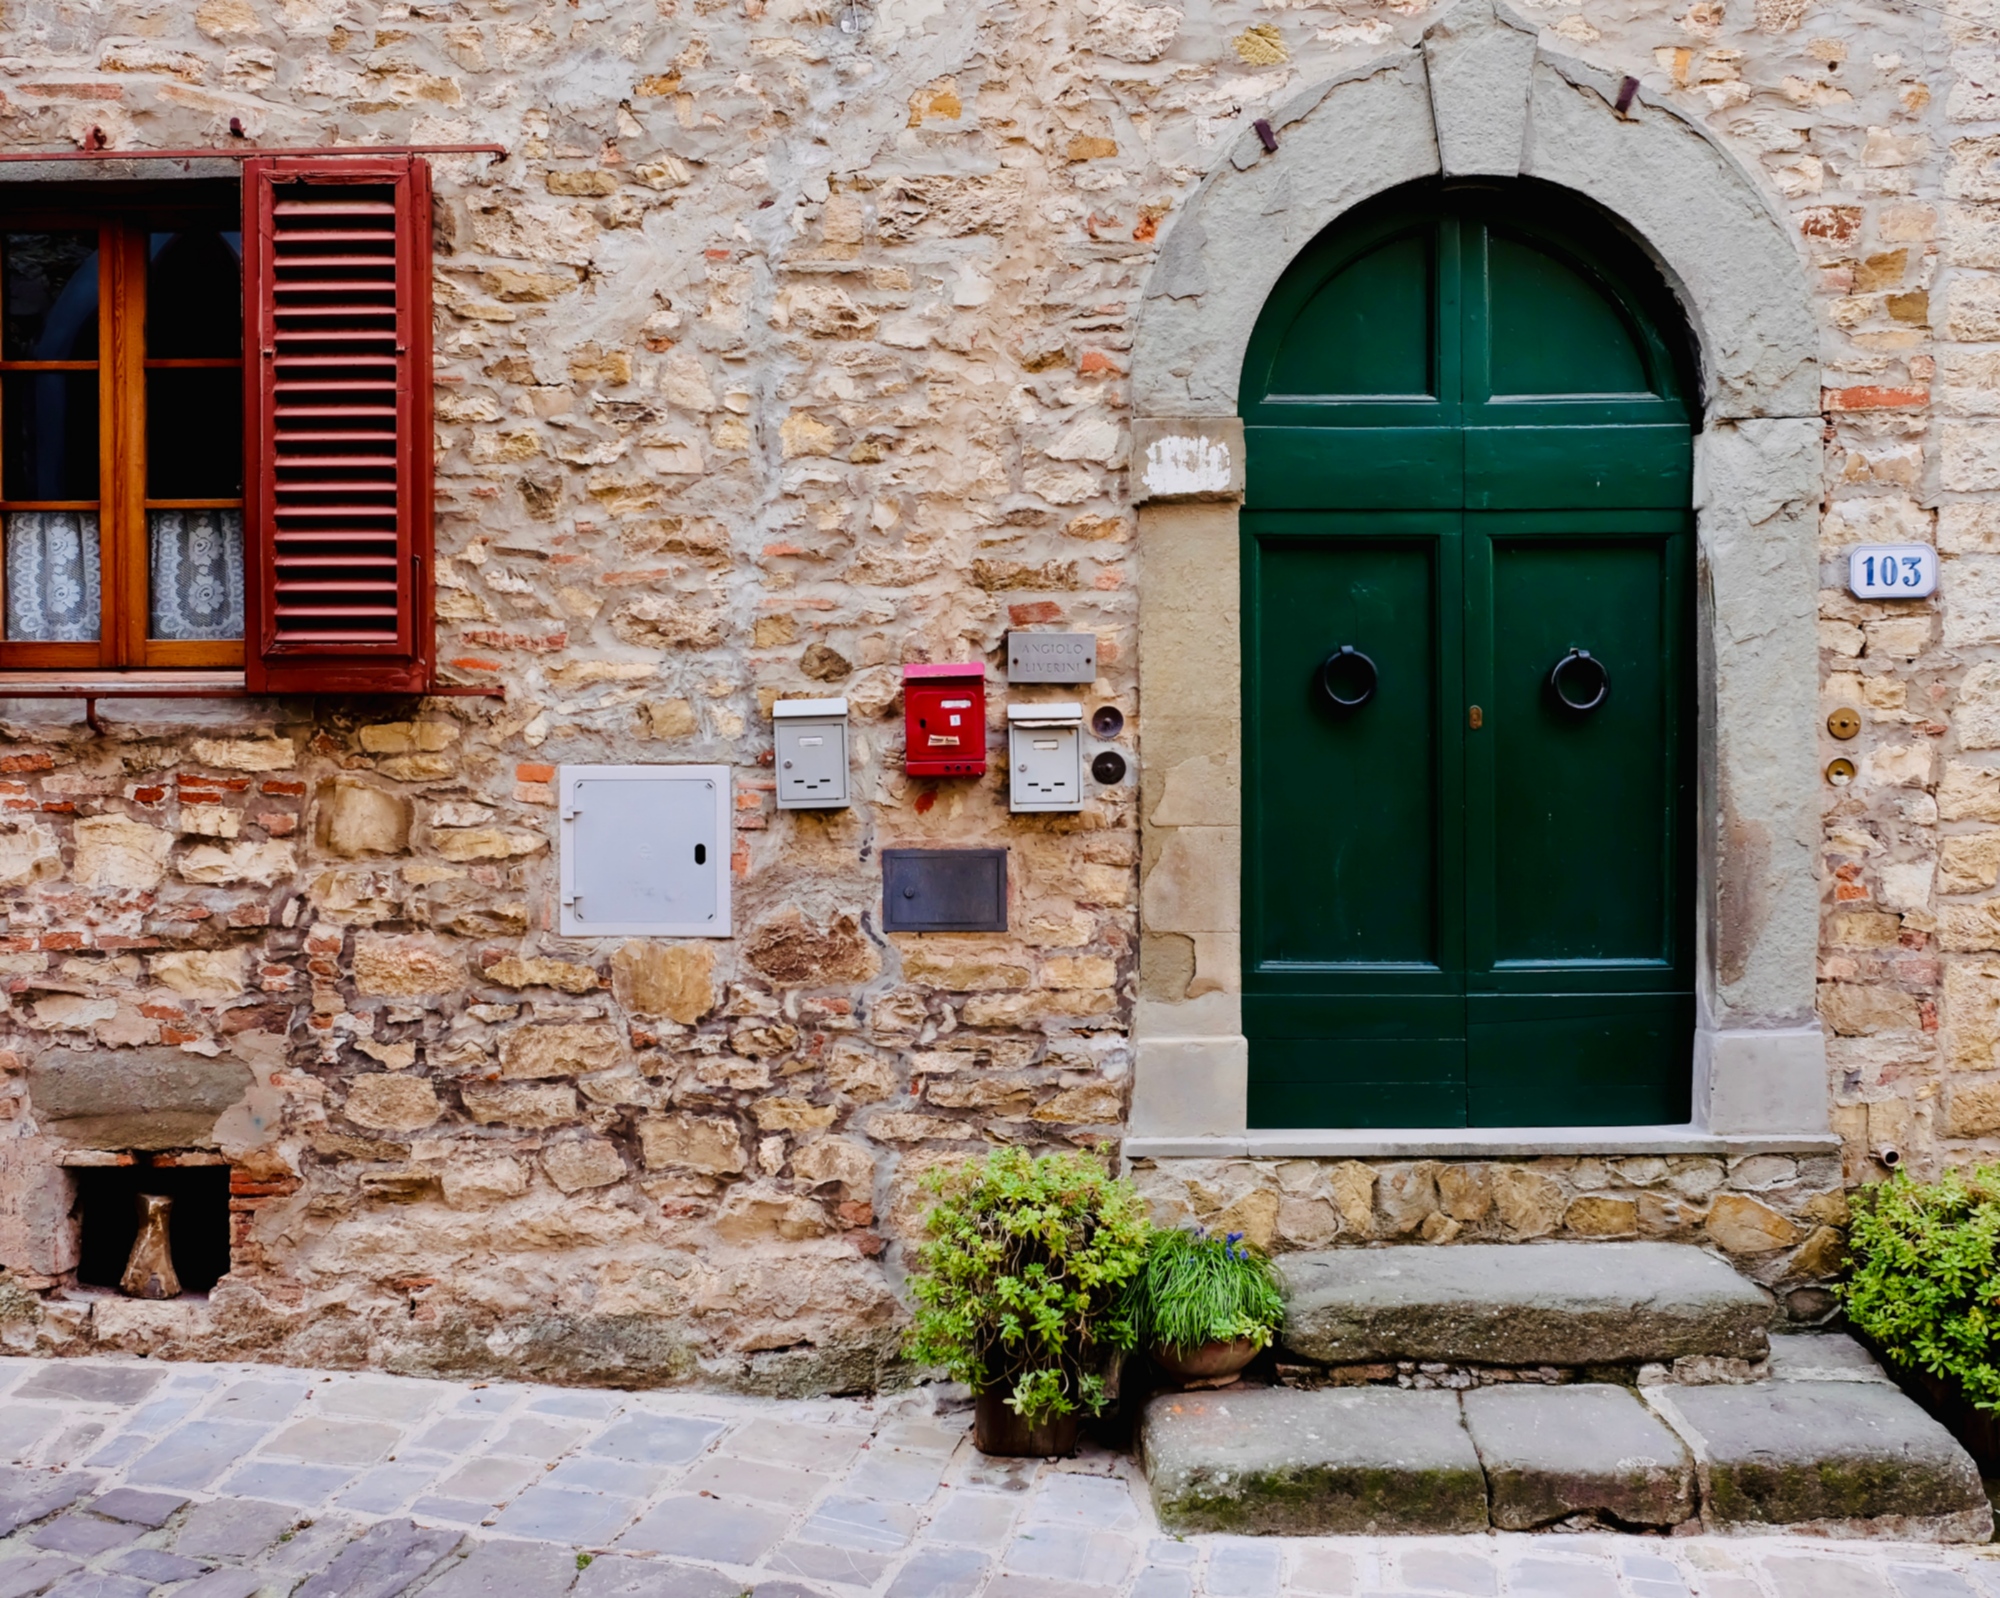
{"x":787,"y":344}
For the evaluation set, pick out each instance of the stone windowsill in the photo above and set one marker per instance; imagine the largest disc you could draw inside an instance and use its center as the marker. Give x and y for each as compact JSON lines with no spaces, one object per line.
{"x":1371,"y":1143}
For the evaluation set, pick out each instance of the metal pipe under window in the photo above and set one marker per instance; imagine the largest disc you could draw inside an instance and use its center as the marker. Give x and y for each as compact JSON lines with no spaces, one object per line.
{"x":244,"y":152}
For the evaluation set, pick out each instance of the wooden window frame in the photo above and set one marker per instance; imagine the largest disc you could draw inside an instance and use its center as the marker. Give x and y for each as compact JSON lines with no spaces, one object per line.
{"x":123,"y":224}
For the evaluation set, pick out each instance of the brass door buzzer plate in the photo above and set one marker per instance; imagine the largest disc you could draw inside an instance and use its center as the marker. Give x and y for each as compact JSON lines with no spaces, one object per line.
{"x":1844,"y":723}
{"x":1840,"y":772}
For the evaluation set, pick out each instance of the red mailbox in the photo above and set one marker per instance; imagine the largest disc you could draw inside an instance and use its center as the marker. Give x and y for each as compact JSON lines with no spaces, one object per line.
{"x":944,"y":720}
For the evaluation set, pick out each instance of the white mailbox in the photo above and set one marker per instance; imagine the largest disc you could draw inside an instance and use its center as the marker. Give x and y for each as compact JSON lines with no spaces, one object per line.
{"x":645,"y":849}
{"x":811,"y":740}
{"x":1045,"y":757}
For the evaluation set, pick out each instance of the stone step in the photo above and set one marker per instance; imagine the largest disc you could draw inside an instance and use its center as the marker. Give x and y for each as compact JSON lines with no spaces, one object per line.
{"x":1553,"y":1452}
{"x":1521,"y":1304}
{"x":1840,"y":1458}
{"x":1344,"y":1461}
{"x":1825,"y":1446}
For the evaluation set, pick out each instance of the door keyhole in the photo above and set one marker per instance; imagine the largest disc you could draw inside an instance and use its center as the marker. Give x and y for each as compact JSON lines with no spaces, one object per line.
{"x":701,"y":854}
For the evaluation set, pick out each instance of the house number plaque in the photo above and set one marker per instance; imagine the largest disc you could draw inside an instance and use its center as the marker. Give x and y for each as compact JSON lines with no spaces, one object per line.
{"x":1892,"y":571}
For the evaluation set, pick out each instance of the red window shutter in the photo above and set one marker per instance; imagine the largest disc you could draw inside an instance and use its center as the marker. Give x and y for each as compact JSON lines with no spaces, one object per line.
{"x":337,"y":415}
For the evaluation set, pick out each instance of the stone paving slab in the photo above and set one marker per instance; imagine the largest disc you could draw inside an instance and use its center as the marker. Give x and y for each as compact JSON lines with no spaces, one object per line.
{"x":1081,"y":1528}
{"x":1552,"y":1452}
{"x":1521,"y":1304}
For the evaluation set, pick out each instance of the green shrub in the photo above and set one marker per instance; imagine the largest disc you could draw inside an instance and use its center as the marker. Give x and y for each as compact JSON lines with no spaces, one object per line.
{"x":1926,"y":1280}
{"x":1021,"y":1287}
{"x":1198,"y":1288}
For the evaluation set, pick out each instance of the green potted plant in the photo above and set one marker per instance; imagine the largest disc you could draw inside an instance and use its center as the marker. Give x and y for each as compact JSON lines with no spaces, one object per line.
{"x":1925,"y":1294}
{"x":1021,"y":1292}
{"x":1205,"y":1305}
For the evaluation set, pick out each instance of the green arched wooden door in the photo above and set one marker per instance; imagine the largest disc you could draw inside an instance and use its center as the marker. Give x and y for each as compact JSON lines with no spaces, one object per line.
{"x":1468,"y":899}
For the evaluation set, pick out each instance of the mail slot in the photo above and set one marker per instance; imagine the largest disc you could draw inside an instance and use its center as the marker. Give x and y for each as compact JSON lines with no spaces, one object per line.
{"x":1045,"y":757}
{"x":944,"y":890}
{"x":944,"y":720}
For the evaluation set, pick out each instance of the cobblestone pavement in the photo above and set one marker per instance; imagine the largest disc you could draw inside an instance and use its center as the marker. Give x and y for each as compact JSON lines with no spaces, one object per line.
{"x":131,"y":1478}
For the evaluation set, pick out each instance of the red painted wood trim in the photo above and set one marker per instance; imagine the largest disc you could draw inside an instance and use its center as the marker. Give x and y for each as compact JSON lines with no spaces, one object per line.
{"x":315,"y":635}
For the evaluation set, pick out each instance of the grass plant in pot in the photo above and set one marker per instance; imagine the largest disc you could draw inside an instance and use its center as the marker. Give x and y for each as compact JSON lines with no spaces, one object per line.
{"x":1022,"y":1292}
{"x":1924,"y":1293}
{"x":1205,"y":1305}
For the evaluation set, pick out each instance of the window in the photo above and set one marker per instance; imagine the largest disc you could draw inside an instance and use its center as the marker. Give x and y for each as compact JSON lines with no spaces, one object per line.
{"x":146,"y":521}
{"x":121,"y":437}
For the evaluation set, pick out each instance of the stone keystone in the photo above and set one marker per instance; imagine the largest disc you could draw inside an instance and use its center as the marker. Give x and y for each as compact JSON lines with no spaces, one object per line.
{"x":1341,"y":1462}
{"x":1478,"y":59}
{"x":1521,"y":1304}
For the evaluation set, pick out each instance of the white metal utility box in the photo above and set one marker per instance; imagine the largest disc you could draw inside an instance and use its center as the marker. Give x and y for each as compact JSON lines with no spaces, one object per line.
{"x":811,"y":740}
{"x":645,"y":849}
{"x":1045,"y":757}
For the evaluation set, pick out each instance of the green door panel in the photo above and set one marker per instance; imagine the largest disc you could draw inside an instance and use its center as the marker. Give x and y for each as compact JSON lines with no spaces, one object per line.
{"x":1574,"y":817}
{"x":1367,"y":329}
{"x":1613,"y":467}
{"x":1374,"y":1082}
{"x":1357,"y":468}
{"x":1554,"y":330}
{"x":1361,"y":331}
{"x":1386,"y":1015}
{"x":1354,"y":796}
{"x":1469,"y":453}
{"x":1600,"y":1059}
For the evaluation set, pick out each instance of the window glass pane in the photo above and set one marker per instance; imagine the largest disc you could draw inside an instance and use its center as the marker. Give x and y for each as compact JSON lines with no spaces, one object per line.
{"x":48,"y":435}
{"x":194,"y":433}
{"x":197,"y":566}
{"x":194,"y":294}
{"x":52,"y":577}
{"x":48,"y":296}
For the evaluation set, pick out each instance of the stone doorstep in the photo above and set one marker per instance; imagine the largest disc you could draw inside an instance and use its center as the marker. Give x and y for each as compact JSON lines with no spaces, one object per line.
{"x":1521,"y":1304}
{"x":1823,"y":1357}
{"x":1847,"y":1456}
{"x":1341,"y":1462}
{"x":1844,"y":1458}
{"x":1553,"y":1452}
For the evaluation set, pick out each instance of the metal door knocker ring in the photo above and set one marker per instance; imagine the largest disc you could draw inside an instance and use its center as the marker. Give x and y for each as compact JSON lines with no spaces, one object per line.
{"x":1579,"y":682}
{"x":1348,"y":678}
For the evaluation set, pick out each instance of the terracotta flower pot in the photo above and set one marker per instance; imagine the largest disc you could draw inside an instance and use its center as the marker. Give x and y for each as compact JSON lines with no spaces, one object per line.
{"x":996,"y":1429}
{"x":1209,"y":1365}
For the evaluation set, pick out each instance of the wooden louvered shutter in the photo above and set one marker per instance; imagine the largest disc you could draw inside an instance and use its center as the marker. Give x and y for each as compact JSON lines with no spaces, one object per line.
{"x":337,"y":292}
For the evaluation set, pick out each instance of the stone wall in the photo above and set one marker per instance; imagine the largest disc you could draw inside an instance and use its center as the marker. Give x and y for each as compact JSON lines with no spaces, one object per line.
{"x":787,"y":344}
{"x":767,"y":361}
{"x":1778,"y":1218}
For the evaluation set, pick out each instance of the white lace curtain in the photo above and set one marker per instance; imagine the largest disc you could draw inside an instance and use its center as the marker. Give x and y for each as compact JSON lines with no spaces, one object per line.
{"x":53,"y":575}
{"x":197,"y":560}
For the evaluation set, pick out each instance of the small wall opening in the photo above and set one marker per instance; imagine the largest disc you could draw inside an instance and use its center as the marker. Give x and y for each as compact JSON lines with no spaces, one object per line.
{"x":107,"y":1211}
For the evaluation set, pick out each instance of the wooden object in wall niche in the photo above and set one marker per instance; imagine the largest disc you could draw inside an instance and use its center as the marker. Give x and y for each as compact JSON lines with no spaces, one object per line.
{"x":149,"y":1273}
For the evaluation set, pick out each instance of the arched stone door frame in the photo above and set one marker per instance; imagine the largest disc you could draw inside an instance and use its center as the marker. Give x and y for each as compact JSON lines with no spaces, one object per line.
{"x":1480,"y":96}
